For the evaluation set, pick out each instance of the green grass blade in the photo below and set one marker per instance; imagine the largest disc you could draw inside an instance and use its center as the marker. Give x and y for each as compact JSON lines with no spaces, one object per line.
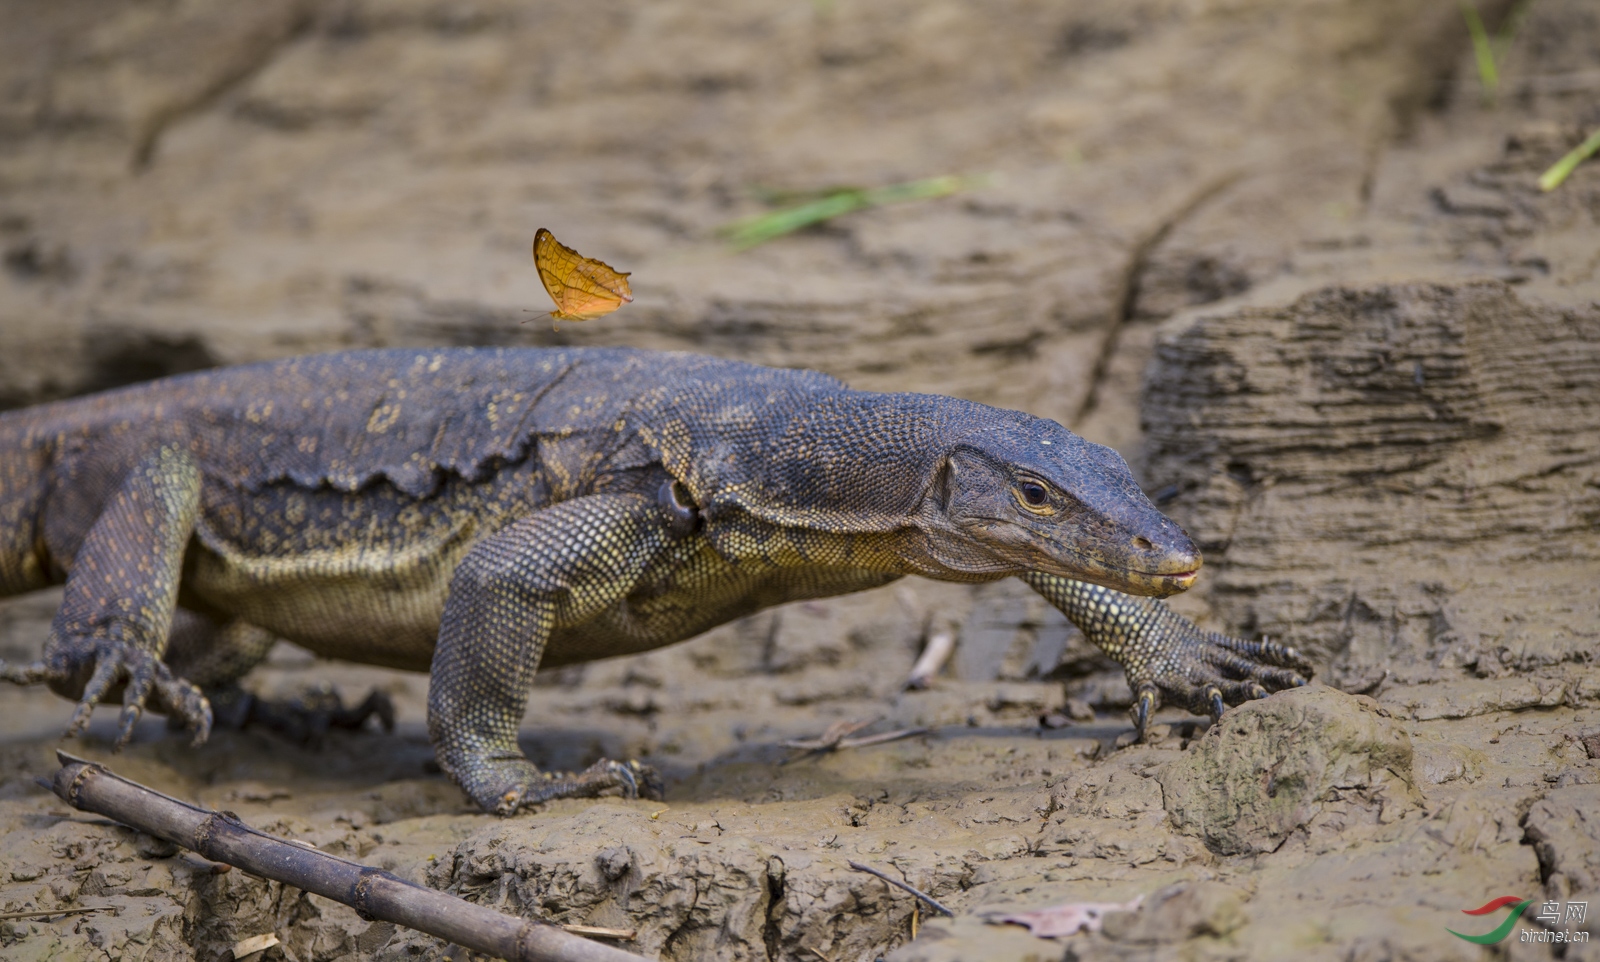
{"x":1509,"y":29}
{"x":919,"y":190}
{"x":1482,"y":49}
{"x":747,"y":233}
{"x":1552,"y":178}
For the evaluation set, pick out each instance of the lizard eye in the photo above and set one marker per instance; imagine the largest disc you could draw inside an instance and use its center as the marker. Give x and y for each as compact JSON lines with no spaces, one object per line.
{"x":1033,"y":496}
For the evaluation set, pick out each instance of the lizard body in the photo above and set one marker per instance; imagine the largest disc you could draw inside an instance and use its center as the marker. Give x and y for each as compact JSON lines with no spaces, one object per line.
{"x":478,"y":513}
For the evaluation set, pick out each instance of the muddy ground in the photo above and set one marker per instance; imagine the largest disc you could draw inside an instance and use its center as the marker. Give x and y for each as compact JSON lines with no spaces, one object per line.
{"x":1286,"y":256}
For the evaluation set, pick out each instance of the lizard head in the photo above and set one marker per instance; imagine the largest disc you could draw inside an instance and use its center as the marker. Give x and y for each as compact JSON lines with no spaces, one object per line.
{"x":1033,"y":495}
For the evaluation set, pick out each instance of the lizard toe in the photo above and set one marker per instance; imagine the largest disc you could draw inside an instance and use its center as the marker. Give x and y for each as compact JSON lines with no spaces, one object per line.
{"x":183,"y":702}
{"x":649,"y":780}
{"x":35,"y":673}
{"x":624,"y":776}
{"x":515,"y":784}
{"x":141,"y":682}
{"x":1215,"y":703}
{"x":108,"y":670}
{"x":1148,"y":701}
{"x":635,"y":779}
{"x":1266,"y":652}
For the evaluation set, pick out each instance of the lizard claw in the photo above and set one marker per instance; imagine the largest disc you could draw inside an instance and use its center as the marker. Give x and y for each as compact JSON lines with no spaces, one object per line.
{"x":1207,"y":672}
{"x":1166,"y":656}
{"x":1149,"y":701}
{"x":90,"y":669}
{"x":624,"y":775}
{"x":515,"y":784}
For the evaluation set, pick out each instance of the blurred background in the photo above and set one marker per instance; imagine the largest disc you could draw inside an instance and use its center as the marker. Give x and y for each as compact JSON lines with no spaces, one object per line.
{"x":195,"y":182}
{"x":1271,"y":250}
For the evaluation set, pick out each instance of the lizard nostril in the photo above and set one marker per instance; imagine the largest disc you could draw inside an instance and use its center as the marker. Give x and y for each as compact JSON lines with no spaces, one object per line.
{"x":1143,"y":544}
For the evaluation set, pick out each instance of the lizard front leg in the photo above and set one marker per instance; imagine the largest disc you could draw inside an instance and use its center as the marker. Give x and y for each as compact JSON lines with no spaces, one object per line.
{"x":558,"y":567}
{"x":112,"y":628}
{"x":1166,"y":654}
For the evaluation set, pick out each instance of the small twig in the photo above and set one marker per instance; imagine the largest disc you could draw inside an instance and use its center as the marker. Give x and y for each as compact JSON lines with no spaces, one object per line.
{"x":601,"y":932}
{"x":818,"y":954}
{"x":47,"y":913}
{"x":1126,"y":300}
{"x":933,"y":903}
{"x":882,"y":737}
{"x":835,"y":739}
{"x":836,"y":733}
{"x":932,"y":659}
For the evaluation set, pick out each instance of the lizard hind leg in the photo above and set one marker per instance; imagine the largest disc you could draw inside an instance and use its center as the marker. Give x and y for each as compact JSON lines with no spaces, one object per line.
{"x":111,"y":630}
{"x":305,"y":717}
{"x":217,"y":652}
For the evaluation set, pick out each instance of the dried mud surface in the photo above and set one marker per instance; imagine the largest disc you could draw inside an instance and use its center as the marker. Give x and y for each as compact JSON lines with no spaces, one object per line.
{"x":1281,"y":254}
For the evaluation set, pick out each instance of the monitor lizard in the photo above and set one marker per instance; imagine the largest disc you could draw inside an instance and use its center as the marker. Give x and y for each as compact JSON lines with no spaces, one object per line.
{"x":478,"y":513}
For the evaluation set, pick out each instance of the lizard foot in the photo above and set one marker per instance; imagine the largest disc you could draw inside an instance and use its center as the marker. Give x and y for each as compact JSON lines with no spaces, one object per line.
{"x":1207,"y":672}
{"x":304,"y":719}
{"x":516,"y":784}
{"x":91,"y":669}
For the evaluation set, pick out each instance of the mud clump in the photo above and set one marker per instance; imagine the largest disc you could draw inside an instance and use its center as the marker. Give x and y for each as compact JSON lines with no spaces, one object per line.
{"x":1564,"y":829}
{"x":711,"y":888}
{"x":1179,"y":912}
{"x":1269,"y":768}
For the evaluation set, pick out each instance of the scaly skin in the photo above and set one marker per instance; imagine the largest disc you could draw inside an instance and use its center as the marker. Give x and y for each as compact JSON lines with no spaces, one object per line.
{"x":478,"y":513}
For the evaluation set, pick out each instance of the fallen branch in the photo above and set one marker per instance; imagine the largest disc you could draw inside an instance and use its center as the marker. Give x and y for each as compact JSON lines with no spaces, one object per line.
{"x":924,"y":896}
{"x":375,"y":894}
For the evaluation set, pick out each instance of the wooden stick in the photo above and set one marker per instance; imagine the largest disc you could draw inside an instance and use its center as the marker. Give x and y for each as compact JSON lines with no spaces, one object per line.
{"x":603,"y":932}
{"x":47,"y":913}
{"x":373,"y":893}
{"x":924,"y":896}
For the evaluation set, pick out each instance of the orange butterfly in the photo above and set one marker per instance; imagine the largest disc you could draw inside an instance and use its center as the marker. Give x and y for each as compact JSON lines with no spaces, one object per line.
{"x":582,"y":287}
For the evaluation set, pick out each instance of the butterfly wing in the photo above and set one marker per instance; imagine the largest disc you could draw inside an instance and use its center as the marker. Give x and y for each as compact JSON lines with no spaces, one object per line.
{"x":583,"y":288}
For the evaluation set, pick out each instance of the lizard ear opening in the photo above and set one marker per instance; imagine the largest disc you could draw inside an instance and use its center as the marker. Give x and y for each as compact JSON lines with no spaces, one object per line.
{"x":943,"y":490}
{"x":682,"y":513}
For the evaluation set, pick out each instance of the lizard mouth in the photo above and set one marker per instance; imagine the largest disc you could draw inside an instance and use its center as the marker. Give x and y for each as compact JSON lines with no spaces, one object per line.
{"x":1071,"y":561}
{"x":1181,"y":579}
